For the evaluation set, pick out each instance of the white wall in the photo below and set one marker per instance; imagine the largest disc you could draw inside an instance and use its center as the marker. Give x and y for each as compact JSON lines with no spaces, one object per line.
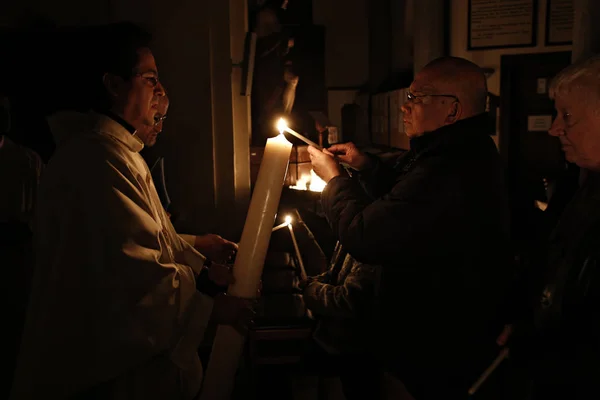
{"x":459,"y":24}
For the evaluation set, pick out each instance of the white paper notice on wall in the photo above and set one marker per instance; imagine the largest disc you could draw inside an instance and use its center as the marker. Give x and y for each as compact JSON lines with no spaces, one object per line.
{"x":539,"y":123}
{"x":542,"y":84}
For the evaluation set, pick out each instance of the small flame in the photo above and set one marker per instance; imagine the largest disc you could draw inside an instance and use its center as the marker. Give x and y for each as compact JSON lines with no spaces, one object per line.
{"x":288,"y":219}
{"x":281,"y":125}
{"x":310,"y":182}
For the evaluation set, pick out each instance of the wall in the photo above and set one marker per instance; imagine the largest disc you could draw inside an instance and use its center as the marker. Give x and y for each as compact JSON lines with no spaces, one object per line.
{"x":346,"y":50}
{"x":491,"y":58}
{"x":346,"y":44}
{"x":71,"y":11}
{"x":403,"y":26}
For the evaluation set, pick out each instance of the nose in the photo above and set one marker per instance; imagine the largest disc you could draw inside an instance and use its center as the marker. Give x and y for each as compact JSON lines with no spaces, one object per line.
{"x":159,"y":90}
{"x":557,"y":128}
{"x":405,"y":107}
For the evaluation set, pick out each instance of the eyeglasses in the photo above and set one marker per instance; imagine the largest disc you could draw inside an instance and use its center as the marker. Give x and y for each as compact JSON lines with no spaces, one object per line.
{"x":159,"y":119}
{"x":151,"y":79}
{"x":413,"y":98}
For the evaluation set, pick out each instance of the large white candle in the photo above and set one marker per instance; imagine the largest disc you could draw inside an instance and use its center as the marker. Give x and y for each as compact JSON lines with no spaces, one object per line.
{"x":229,"y":343}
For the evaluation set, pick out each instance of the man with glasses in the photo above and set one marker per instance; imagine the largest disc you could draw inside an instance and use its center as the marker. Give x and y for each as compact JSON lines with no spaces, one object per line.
{"x":437,"y":223}
{"x":114,"y":311}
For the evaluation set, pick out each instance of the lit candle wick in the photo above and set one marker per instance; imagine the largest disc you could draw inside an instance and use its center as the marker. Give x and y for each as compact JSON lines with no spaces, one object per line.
{"x":287,"y":221}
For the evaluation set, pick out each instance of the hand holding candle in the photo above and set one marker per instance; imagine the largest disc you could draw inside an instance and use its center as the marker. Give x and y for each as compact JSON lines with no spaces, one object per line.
{"x":324,"y":165}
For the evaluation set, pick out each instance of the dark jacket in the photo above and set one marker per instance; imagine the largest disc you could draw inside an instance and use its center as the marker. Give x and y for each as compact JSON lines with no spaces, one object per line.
{"x":438,"y":224}
{"x":565,"y":346}
{"x":342,"y":299}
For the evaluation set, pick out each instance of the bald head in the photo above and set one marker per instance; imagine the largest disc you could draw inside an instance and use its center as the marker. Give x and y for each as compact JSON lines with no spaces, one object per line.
{"x":461,"y":78}
{"x":447,"y":90}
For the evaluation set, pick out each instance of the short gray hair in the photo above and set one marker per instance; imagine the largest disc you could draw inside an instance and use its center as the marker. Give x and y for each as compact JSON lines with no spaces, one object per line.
{"x":584,"y":74}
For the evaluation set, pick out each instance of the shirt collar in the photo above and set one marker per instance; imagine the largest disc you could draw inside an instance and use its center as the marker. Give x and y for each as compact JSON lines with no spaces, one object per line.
{"x":109,"y":125}
{"x":120,"y":120}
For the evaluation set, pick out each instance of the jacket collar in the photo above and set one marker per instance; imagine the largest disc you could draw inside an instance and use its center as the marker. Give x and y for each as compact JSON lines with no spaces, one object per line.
{"x":109,"y":126}
{"x":479,"y":124}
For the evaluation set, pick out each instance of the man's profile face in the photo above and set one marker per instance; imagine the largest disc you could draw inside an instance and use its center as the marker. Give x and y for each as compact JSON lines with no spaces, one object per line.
{"x":149,"y":134}
{"x":137,"y":99}
{"x":577,"y":125}
{"x":425,"y":113}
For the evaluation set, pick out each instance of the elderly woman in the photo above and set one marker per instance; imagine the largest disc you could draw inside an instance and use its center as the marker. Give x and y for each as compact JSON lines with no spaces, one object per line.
{"x":566,"y":345}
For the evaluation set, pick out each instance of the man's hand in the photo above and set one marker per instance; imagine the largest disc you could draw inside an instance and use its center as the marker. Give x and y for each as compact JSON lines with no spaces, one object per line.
{"x":302,"y":284}
{"x":234,"y":311}
{"x":215,"y":247}
{"x":349,"y":154}
{"x":324,"y":164}
{"x":221,"y":274}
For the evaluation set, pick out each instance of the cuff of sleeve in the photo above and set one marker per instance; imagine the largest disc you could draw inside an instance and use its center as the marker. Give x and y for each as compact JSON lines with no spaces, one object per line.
{"x":310,"y":294}
{"x":190,"y":239}
{"x":334,"y":185}
{"x":374,"y":166}
{"x":206,"y":286}
{"x":194,"y":259}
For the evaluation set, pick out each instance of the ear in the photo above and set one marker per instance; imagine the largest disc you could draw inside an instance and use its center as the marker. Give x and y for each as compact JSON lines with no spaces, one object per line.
{"x":454,"y":113}
{"x":112,"y":84}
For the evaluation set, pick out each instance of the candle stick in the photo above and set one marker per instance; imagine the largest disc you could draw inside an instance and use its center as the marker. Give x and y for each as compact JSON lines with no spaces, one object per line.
{"x":503,"y":355}
{"x":282,"y":126}
{"x":287,"y":221}
{"x":278,"y":227}
{"x":247,"y":270}
{"x":303,"y":275}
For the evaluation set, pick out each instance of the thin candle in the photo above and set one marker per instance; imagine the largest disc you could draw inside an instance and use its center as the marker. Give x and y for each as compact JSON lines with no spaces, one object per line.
{"x":287,"y":221}
{"x":303,"y":275}
{"x":282,"y":126}
{"x":501,"y":357}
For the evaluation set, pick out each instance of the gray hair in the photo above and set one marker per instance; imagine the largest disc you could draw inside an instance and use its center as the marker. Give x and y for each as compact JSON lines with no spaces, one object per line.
{"x":584,"y":74}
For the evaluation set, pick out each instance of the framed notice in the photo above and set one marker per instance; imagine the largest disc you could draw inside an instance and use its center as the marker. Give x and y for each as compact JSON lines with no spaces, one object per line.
{"x":501,"y":23}
{"x":559,"y":22}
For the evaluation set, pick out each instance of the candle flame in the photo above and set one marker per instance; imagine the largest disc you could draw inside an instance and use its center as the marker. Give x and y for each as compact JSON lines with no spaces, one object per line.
{"x":309,"y":182}
{"x":288,"y":219}
{"x":281,"y":125}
